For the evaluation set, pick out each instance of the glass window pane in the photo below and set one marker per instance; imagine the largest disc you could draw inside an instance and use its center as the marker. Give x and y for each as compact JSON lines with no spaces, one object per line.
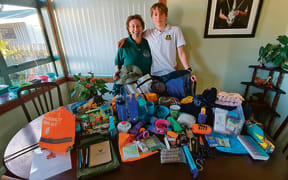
{"x":50,"y":33}
{"x":21,"y":35}
{"x":59,"y":68}
{"x":29,"y":74}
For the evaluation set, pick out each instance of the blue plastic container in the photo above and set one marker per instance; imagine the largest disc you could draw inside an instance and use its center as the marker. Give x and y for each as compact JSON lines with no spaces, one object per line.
{"x":14,"y":89}
{"x":121,"y":108}
{"x":133,"y":110}
{"x":142,"y":109}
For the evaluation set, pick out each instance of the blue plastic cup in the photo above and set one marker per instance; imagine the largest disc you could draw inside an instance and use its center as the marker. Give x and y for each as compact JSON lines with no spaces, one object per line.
{"x":150,"y":107}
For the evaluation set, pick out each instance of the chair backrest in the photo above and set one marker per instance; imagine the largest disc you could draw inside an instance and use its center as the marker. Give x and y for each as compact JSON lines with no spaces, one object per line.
{"x":279,"y":132}
{"x":39,"y":92}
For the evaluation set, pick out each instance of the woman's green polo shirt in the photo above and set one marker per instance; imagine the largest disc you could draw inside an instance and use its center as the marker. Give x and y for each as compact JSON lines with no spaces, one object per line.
{"x":135,"y":54}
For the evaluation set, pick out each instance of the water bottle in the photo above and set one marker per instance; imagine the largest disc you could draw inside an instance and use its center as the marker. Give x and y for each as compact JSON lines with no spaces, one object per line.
{"x":121,"y":108}
{"x":142,"y":109}
{"x":133,"y":110}
{"x":127,"y":107}
{"x":112,"y":128}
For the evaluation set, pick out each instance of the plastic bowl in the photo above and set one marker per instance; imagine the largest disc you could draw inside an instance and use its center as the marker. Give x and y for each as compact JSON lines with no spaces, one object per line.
{"x":44,"y":78}
{"x":161,"y":111}
{"x":14,"y":89}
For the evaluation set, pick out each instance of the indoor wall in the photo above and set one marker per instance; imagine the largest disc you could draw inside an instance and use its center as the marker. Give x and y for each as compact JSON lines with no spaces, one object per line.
{"x":223,"y":62}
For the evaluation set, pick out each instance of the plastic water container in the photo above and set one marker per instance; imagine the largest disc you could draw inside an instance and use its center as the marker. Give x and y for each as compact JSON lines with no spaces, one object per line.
{"x":121,"y":108}
{"x":150,"y":108}
{"x":133,"y":110}
{"x":142,"y":109}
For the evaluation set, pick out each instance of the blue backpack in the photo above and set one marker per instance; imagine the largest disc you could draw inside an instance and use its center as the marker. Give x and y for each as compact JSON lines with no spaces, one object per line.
{"x":178,"y":84}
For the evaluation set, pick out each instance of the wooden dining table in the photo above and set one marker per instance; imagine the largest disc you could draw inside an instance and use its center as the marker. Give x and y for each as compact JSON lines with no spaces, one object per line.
{"x":18,"y":154}
{"x":223,"y":166}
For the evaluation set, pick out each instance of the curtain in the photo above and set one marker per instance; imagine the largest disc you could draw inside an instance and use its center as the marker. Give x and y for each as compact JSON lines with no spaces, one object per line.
{"x":90,"y":29}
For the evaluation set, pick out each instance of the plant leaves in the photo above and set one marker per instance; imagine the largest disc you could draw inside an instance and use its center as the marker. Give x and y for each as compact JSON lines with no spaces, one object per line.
{"x":76,"y":78}
{"x":261,"y":51}
{"x":283,"y":53}
{"x":278,"y":60}
{"x":82,"y":83}
{"x":283,"y":39}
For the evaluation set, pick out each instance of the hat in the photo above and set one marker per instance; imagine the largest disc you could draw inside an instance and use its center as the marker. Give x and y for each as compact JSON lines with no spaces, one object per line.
{"x":129,"y":74}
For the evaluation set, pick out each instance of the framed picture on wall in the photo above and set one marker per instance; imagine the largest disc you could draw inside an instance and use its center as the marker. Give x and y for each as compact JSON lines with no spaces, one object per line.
{"x":232,"y":18}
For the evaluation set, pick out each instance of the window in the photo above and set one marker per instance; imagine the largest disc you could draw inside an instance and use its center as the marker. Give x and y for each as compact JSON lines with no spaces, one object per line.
{"x":32,"y":73}
{"x":90,"y":30}
{"x":24,"y":45}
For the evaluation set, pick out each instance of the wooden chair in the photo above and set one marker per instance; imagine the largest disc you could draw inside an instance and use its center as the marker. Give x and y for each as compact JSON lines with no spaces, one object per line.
{"x":39,"y":92}
{"x":279,"y":132}
{"x":4,"y":177}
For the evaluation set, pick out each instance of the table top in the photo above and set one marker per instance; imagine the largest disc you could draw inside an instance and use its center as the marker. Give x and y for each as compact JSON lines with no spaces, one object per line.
{"x":25,"y":137}
{"x":24,"y":141}
{"x":226,"y":166}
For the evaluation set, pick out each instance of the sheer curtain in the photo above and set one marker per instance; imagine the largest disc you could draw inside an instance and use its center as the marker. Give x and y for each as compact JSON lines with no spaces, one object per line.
{"x":90,"y":29}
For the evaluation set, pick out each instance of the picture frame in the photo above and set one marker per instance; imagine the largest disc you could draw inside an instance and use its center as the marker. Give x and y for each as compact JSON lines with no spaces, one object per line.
{"x":232,"y":18}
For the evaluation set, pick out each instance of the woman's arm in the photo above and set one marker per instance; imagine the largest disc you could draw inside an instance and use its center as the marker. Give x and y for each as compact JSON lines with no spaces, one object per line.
{"x":116,"y":74}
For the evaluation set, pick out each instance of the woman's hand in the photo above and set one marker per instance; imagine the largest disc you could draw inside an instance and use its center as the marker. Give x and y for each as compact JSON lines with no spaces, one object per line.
{"x":116,"y":76}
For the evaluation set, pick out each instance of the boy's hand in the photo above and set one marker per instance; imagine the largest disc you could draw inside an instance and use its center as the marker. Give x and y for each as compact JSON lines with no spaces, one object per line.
{"x":121,"y":43}
{"x":193,"y":77}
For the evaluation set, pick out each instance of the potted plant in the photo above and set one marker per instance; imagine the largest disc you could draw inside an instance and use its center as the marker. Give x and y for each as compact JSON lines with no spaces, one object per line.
{"x":275,"y":55}
{"x":89,"y":87}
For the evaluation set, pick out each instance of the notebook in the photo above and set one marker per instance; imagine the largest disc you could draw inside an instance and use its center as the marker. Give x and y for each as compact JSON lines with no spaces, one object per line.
{"x":99,"y":153}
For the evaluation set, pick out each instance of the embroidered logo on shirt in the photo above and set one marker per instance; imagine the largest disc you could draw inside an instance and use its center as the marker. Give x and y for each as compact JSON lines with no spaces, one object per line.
{"x":146,"y":53}
{"x":168,"y":37}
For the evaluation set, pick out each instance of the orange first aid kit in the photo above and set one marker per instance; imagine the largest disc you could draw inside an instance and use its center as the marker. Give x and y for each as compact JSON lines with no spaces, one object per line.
{"x":58,"y":130}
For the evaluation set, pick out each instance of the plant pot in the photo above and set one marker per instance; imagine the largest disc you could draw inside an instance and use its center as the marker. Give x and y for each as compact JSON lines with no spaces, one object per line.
{"x":271,"y":65}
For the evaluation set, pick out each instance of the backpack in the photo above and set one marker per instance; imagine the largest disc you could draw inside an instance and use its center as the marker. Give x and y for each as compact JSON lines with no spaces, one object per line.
{"x":58,"y":130}
{"x":178,"y":84}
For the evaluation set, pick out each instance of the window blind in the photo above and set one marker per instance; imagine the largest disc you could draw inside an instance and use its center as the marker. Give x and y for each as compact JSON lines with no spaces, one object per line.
{"x":90,"y":29}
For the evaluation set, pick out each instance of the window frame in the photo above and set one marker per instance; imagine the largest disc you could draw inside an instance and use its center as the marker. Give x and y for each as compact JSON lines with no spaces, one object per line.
{"x":6,"y":70}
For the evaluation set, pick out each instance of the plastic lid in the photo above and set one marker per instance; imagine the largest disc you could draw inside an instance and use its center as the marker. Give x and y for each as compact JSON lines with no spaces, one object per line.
{"x":141,"y":102}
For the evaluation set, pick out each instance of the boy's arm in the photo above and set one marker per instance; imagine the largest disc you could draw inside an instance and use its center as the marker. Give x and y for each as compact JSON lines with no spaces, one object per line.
{"x":183,"y":58}
{"x":121,"y":43}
